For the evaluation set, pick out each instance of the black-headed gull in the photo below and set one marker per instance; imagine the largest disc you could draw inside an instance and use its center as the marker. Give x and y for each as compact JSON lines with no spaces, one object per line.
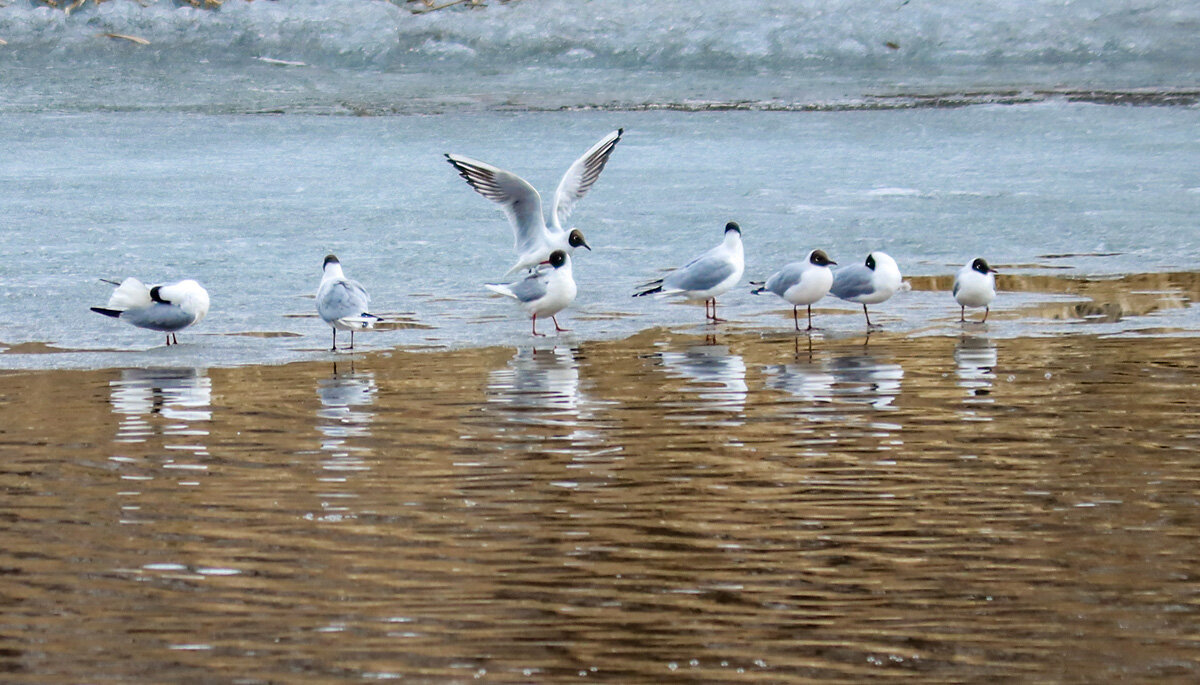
{"x":546,"y":291}
{"x":872,"y":282}
{"x":801,"y":283}
{"x":342,"y":302}
{"x":166,"y":307}
{"x":975,"y":286}
{"x":523,"y":206}
{"x":706,"y":277}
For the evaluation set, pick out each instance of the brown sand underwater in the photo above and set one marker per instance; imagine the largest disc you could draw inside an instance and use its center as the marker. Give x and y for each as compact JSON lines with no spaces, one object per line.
{"x":734,"y":508}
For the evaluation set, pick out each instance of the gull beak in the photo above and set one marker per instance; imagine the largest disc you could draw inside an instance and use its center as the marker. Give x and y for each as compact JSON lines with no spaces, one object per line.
{"x":832,"y":262}
{"x":584,"y":244}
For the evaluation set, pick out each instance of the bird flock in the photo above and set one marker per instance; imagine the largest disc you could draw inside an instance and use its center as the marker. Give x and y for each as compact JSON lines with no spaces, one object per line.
{"x":546,"y":285}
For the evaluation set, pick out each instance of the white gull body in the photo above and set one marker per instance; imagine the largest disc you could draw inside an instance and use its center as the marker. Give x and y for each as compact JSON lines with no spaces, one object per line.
{"x":802,"y":283}
{"x":872,"y":282}
{"x":341,"y":302}
{"x":706,"y":277}
{"x":975,"y":286}
{"x":165,"y":307}
{"x":546,"y":291}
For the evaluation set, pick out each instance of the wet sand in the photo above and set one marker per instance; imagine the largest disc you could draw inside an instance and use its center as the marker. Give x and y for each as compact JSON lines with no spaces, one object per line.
{"x":748,"y":506}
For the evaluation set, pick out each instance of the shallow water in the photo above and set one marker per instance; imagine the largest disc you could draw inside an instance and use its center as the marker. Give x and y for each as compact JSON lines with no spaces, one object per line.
{"x":728,"y":508}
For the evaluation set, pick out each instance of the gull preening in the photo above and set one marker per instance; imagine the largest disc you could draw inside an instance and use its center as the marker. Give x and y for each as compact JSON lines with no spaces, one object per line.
{"x":165,"y":307}
{"x":872,"y":282}
{"x":975,"y":286}
{"x":706,"y":277}
{"x":534,"y":239}
{"x":546,"y":291}
{"x":801,"y":283}
{"x":342,"y":303}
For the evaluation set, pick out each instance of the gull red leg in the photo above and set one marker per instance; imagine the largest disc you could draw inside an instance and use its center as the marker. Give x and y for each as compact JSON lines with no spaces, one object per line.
{"x":714,"y":314}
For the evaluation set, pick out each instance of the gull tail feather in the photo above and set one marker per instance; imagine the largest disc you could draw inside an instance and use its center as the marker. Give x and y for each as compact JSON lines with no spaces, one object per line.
{"x":131,"y":294}
{"x":649,"y":288}
{"x":499,"y":288}
{"x":363,"y":320}
{"x":114,"y":313}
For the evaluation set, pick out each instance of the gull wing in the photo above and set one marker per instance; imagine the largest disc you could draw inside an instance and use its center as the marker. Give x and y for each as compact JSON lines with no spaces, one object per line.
{"x":702,"y":273}
{"x":338,"y":299}
{"x":852,"y":281}
{"x":528,"y":289}
{"x":532,"y":288}
{"x":788,"y":276}
{"x":158,"y":317}
{"x":579,"y":178}
{"x":520,"y":201}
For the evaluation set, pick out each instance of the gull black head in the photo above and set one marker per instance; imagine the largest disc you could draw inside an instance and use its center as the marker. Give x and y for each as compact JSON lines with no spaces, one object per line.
{"x":819,"y":258}
{"x":575,"y":239}
{"x":981,"y":265}
{"x":871,"y":262}
{"x":330,"y":259}
{"x":557,"y":258}
{"x":732,"y":226}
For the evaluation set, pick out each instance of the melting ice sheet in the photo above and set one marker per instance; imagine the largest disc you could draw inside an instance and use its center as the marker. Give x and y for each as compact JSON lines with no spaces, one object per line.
{"x":376,"y":56}
{"x":1086,"y":210}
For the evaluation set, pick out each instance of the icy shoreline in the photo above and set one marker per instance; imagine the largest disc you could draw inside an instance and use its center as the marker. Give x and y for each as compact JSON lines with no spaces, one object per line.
{"x":667,"y":34}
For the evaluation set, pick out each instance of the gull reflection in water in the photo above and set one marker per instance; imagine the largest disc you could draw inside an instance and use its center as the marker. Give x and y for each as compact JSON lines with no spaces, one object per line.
{"x":714,"y":375}
{"x":975,"y":363}
{"x":806,"y":380}
{"x":865,"y":389}
{"x":179,"y":399}
{"x":345,"y":398}
{"x":865,"y":379}
{"x":539,"y":386}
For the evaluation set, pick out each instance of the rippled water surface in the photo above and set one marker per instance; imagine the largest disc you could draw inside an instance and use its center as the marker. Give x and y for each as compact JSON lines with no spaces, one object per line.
{"x":726,"y":508}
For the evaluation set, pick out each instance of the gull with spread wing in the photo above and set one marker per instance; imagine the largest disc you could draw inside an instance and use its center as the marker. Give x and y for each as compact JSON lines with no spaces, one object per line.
{"x":523,"y":205}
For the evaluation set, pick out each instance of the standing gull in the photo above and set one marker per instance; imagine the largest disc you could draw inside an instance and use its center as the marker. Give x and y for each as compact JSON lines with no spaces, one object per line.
{"x":801,"y":283}
{"x":873,"y":282}
{"x":166,"y":307}
{"x":975,"y":286}
{"x":342,"y":303}
{"x":546,"y":291}
{"x":706,"y":276}
{"x":523,"y":206}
